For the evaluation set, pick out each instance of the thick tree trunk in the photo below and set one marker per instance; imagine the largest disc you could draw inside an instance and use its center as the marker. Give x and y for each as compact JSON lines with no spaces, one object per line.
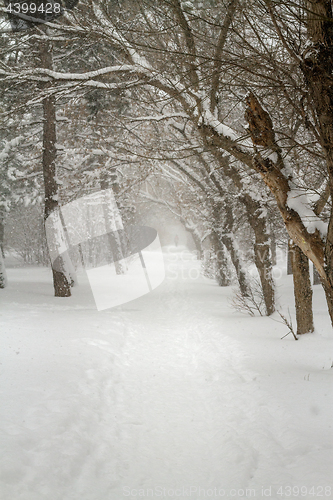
{"x":61,"y":284}
{"x":258,"y":222}
{"x":264,"y":267}
{"x":328,"y":285}
{"x":302,"y":290}
{"x":319,"y":13}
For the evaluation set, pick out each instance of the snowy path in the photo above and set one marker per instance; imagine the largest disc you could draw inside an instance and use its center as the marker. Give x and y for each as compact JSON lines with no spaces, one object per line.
{"x":151,"y":395}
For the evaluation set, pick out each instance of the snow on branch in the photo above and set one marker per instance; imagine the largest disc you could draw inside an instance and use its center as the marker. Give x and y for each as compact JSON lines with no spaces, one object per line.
{"x":10,"y":145}
{"x":72,"y":76}
{"x":299,"y":201}
{"x":158,"y":118}
{"x":222,"y":129}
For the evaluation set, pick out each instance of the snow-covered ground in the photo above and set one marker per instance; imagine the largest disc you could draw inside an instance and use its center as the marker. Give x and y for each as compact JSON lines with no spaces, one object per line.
{"x":173,"y":395}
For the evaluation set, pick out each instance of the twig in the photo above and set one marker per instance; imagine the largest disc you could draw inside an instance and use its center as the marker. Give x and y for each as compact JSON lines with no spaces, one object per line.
{"x":288,"y":324}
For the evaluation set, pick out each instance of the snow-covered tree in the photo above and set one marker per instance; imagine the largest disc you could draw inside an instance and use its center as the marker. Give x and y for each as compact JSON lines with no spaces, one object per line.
{"x":199,"y":72}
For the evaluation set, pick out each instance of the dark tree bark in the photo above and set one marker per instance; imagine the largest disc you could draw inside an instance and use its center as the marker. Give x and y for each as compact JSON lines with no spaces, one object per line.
{"x":60,"y":282}
{"x":264,"y":266}
{"x":302,"y":290}
{"x":258,"y":223}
